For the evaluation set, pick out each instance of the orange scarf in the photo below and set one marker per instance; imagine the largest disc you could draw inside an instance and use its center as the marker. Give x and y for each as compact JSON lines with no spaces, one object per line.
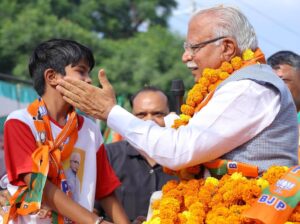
{"x":47,"y":162}
{"x":277,"y":202}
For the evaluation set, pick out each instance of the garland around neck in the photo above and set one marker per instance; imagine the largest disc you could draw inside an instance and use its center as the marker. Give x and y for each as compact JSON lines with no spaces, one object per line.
{"x":203,"y":90}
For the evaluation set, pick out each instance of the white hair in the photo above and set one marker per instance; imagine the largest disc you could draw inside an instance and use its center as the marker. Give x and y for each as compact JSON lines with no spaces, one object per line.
{"x":75,"y":156}
{"x":231,"y":22}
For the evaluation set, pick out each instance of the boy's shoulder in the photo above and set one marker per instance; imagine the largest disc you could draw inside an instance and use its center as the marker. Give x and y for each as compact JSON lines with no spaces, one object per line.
{"x":21,"y":114}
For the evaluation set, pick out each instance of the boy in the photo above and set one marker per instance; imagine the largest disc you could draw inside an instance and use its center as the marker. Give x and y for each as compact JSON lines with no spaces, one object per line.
{"x":39,"y":142}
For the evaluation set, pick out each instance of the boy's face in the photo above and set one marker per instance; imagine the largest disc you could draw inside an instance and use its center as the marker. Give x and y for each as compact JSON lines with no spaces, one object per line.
{"x":79,"y":71}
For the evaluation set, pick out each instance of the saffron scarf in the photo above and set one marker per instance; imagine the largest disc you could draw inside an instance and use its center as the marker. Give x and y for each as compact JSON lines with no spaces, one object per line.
{"x":277,"y":202}
{"x":47,"y":163}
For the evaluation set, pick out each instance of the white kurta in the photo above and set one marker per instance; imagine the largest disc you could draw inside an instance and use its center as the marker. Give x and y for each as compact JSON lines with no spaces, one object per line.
{"x":236,"y":113}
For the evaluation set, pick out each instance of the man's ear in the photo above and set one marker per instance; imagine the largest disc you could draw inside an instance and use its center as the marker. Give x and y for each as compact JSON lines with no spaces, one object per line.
{"x":230,"y":48}
{"x":50,"y":77}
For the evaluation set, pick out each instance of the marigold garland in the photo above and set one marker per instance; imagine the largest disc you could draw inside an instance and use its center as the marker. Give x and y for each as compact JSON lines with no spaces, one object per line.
{"x":208,"y":82}
{"x":210,"y":201}
{"x":213,"y":201}
{"x":202,"y":91}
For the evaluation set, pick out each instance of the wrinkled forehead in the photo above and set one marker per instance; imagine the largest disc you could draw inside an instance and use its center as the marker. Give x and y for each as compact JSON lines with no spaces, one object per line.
{"x":202,"y":25}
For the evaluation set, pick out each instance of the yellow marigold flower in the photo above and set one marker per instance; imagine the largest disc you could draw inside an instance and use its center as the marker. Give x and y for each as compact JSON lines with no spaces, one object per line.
{"x":182,"y":218}
{"x":207,"y":72}
{"x":204,"y":81}
{"x":211,"y":180}
{"x":262,"y":183}
{"x":188,"y":110}
{"x":248,"y":54}
{"x":237,"y":176}
{"x":214,"y":76}
{"x":236,"y":62}
{"x":226,"y":67}
{"x":223,"y":75}
{"x":185,"y":117}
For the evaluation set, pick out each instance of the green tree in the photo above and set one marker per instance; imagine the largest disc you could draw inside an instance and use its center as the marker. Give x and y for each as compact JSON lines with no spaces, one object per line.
{"x":150,"y":58}
{"x":110,"y":28}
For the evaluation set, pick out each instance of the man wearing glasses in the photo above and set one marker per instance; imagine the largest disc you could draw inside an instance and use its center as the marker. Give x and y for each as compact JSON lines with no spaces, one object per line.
{"x":250,"y":118}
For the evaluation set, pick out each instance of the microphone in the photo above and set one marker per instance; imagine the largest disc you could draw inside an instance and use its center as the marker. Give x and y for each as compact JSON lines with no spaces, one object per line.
{"x":177,"y":91}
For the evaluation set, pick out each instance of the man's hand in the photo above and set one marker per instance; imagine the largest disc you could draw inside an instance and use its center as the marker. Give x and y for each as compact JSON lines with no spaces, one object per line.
{"x":94,"y":101}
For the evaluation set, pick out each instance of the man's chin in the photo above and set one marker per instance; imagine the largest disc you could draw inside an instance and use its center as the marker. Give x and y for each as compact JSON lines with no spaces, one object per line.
{"x":196,"y":77}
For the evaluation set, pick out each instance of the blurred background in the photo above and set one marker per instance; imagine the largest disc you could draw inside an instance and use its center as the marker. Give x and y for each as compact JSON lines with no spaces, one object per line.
{"x":137,"y":42}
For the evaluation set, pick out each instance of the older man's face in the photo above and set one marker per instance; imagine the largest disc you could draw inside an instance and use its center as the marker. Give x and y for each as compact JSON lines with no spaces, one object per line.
{"x":208,"y":55}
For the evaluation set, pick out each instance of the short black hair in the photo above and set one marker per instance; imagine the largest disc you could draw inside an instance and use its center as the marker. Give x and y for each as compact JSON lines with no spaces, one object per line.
{"x":284,"y":57}
{"x":148,"y":89}
{"x":56,"y":54}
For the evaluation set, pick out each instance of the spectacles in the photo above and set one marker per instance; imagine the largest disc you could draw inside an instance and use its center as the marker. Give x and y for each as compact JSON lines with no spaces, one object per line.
{"x":194,"y":48}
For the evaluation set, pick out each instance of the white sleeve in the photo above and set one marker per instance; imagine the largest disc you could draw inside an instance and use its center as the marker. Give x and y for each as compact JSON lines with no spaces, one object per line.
{"x":236,"y":113}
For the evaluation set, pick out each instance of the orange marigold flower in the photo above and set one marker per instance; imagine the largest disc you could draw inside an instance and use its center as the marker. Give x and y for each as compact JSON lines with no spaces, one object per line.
{"x":274,"y":173}
{"x":178,"y":123}
{"x":223,"y":75}
{"x":190,"y":102}
{"x":175,"y":194}
{"x":155,"y":204}
{"x":171,"y":184}
{"x":236,"y":62}
{"x":226,"y":67}
{"x":189,"y":200}
{"x":295,"y":217}
{"x":204,"y":81}
{"x":212,"y":87}
{"x":200,"y":88}
{"x":188,"y":110}
{"x":196,"y":97}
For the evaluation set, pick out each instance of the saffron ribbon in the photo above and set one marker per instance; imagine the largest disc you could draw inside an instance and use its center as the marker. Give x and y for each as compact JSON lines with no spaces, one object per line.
{"x":47,"y":163}
{"x":220,"y":167}
{"x":277,"y":202}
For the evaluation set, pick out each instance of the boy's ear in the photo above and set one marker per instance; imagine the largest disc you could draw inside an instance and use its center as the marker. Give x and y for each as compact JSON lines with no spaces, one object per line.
{"x":51,"y":77}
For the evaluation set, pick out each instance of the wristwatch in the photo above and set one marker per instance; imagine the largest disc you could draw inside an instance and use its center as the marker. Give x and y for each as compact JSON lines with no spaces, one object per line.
{"x":99,"y":220}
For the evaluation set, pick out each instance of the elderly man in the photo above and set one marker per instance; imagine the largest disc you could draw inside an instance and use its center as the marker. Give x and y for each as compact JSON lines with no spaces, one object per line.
{"x":139,"y":174}
{"x":249,"y":118}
